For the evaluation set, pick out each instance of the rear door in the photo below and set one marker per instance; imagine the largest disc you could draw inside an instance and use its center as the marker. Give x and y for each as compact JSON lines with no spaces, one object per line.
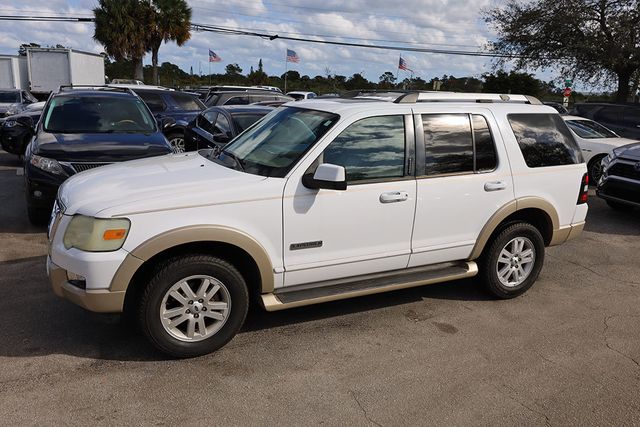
{"x":463,"y":177}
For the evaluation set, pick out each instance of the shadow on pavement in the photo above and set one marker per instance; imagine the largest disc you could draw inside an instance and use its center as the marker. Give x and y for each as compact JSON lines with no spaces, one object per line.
{"x":13,"y":210}
{"x":38,"y":323}
{"x":605,"y":220}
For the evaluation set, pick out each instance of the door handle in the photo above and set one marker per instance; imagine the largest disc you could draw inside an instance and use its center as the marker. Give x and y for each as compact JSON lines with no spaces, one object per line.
{"x":394,"y":196}
{"x":495,"y":186}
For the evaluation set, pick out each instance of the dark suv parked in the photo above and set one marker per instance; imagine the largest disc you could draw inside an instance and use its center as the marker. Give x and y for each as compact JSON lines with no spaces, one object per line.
{"x":244,"y":97}
{"x":181,"y":107}
{"x":620,"y":182}
{"x":620,"y":118}
{"x":82,"y":129}
{"x":13,"y":101}
{"x":16,"y":131}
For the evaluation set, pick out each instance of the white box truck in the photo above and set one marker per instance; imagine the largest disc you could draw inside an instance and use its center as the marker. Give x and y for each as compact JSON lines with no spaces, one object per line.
{"x":13,"y":72}
{"x":49,"y":68}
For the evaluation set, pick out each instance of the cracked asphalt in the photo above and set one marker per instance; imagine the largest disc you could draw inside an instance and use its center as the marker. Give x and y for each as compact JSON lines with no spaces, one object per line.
{"x":565,"y":353}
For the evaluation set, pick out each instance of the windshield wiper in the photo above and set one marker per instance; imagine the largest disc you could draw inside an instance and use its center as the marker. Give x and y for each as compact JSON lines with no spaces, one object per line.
{"x":235,"y":158}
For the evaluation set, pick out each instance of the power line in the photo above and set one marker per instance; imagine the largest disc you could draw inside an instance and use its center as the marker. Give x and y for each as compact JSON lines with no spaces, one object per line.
{"x":273,"y":36}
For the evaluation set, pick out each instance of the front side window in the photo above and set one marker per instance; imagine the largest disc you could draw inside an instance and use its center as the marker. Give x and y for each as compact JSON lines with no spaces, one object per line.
{"x":154,"y":101}
{"x":589,"y":129}
{"x":222,"y":125}
{"x":243,"y":121}
{"x":98,"y":114}
{"x":274,"y":145}
{"x":206,"y":121}
{"x":371,"y":148}
{"x":544,"y":139}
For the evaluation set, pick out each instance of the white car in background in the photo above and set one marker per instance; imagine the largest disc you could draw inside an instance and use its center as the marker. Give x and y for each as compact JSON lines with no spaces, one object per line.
{"x":299,"y":95}
{"x":595,"y":141}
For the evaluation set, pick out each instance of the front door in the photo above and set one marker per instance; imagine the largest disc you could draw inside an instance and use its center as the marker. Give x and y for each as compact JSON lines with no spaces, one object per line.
{"x":330,"y":234}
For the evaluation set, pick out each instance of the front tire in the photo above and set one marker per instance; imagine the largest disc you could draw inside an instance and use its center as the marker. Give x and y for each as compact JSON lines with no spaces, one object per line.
{"x":193,"y":305}
{"x":177,"y":141}
{"x":595,"y":169}
{"x":513,"y":261}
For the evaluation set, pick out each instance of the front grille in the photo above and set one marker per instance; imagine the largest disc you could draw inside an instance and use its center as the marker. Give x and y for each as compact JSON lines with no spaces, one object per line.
{"x":630,"y":194}
{"x":624,"y":170}
{"x":81,"y":167}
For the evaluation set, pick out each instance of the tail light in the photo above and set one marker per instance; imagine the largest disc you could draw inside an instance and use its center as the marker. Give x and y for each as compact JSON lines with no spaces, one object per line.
{"x":584,"y":189}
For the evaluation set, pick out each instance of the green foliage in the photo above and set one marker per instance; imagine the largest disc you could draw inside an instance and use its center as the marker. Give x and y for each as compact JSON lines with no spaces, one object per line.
{"x":594,"y":40}
{"x":170,"y":21}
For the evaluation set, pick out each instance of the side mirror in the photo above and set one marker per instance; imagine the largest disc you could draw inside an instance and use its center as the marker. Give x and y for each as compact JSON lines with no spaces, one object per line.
{"x":165,"y":123}
{"x":327,"y":176}
{"x":25,"y":121}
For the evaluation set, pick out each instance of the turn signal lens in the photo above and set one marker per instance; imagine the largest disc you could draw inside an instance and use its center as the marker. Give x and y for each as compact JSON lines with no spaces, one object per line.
{"x":114,"y":234}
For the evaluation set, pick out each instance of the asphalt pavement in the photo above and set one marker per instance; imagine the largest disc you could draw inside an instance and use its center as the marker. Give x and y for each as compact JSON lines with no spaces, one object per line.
{"x":565,"y":353}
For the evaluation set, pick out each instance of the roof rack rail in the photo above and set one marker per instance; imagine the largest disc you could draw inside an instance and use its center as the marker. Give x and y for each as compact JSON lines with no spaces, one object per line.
{"x":414,"y":96}
{"x":62,"y":88}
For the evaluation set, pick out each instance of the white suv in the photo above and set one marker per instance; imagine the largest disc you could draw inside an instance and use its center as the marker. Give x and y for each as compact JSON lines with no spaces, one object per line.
{"x":321,"y":200}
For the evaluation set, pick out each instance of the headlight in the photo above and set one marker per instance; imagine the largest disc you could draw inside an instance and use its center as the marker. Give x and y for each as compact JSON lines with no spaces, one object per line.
{"x":47,"y":165}
{"x":95,"y":234}
{"x":10,"y":123}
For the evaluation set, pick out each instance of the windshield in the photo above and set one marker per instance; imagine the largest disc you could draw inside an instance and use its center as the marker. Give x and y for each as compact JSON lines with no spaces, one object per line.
{"x":9,"y":97}
{"x":589,"y":129}
{"x":98,"y":114}
{"x":274,"y":145}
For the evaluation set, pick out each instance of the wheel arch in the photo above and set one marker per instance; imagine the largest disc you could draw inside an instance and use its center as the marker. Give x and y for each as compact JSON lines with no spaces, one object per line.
{"x":534,"y":210}
{"x":237,"y":247}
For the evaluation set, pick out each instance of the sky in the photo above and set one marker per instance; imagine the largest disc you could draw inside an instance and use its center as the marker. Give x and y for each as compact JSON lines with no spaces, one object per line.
{"x":442,"y":24}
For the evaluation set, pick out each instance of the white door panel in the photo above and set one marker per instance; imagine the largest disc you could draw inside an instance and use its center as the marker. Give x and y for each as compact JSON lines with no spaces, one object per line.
{"x":359,"y":233}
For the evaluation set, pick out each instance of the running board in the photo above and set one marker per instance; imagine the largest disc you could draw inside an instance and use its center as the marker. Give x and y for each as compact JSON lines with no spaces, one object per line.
{"x":332,"y":290}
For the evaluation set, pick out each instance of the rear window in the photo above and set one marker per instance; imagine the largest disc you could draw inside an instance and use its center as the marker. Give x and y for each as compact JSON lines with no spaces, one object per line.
{"x":544,"y":140}
{"x":98,"y":114}
{"x":186,"y":102}
{"x":589,"y":129}
{"x":9,"y":97}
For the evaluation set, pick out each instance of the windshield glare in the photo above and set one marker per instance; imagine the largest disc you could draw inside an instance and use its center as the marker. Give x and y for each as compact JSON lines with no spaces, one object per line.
{"x":274,"y":145}
{"x":98,"y":114}
{"x":9,"y":97}
{"x":589,"y":129}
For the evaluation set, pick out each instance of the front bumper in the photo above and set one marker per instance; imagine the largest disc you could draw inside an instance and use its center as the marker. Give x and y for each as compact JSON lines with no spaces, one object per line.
{"x":98,"y":300}
{"x":620,"y":190}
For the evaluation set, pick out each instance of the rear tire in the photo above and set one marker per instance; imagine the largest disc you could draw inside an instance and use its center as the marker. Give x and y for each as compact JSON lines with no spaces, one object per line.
{"x":512,"y":263}
{"x":196,"y":319}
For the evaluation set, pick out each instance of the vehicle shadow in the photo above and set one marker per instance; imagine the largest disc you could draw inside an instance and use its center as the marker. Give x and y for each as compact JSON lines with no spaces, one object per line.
{"x":13,"y":210}
{"x":603,"y":219}
{"x":56,"y":326}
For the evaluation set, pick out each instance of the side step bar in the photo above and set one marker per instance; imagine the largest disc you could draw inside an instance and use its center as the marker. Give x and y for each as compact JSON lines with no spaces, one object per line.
{"x":332,"y":290}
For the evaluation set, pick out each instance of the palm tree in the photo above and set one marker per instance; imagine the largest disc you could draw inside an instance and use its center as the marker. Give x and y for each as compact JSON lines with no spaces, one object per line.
{"x":171,"y":21}
{"x":122,"y":27}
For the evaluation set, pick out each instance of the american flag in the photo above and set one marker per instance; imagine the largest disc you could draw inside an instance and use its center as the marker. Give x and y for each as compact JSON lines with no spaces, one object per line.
{"x":402,"y":65}
{"x":292,"y":56}
{"x":213,"y":57}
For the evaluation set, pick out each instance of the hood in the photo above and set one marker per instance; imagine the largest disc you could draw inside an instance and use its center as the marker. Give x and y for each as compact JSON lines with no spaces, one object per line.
{"x":5,"y":106}
{"x":613,"y":142}
{"x":174,"y":181}
{"x":100,"y":147}
{"x":630,"y":151}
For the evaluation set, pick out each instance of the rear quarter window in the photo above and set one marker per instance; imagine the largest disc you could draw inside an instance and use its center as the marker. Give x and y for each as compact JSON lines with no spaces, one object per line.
{"x":544,"y":140}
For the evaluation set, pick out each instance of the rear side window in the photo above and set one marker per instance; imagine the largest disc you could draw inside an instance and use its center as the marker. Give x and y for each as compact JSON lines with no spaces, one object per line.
{"x":186,"y":102}
{"x":452,"y":145}
{"x":154,"y":101}
{"x":544,"y":140}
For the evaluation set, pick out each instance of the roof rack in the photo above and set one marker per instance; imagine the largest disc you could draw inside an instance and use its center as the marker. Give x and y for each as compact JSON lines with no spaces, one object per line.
{"x":409,"y":96}
{"x":63,"y":88}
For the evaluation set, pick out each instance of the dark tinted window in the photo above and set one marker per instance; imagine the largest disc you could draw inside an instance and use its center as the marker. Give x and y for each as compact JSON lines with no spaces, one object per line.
{"x":448,"y":143}
{"x":609,"y":115}
{"x":544,"y":140}
{"x":10,"y":97}
{"x":206,"y":121}
{"x":212,"y":100}
{"x":486,"y":158}
{"x":186,"y":102}
{"x":243,"y":121}
{"x":97,"y":114}
{"x":371,"y":148}
{"x":222,"y":125}
{"x":154,"y":101}
{"x":238,"y":100}
{"x":632,"y":116}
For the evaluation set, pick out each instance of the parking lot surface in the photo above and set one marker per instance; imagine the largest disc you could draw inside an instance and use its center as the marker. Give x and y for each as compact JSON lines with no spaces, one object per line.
{"x":565,"y":353}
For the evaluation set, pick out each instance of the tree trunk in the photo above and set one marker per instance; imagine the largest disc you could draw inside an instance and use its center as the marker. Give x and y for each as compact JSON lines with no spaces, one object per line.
{"x":624,"y":78}
{"x":154,"y":64}
{"x":139,"y":75}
